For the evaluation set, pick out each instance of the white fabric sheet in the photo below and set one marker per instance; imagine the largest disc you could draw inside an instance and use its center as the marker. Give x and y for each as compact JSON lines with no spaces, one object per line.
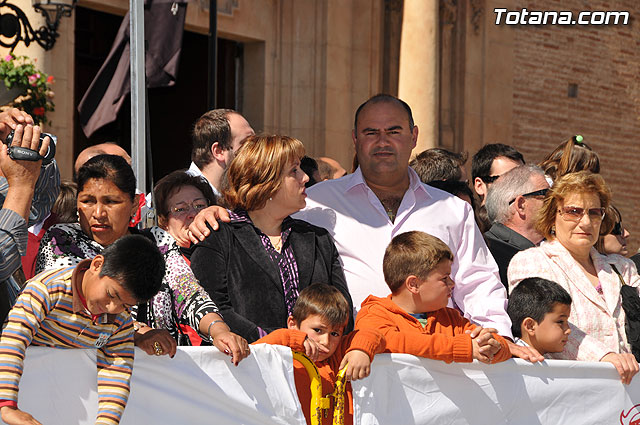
{"x":201,"y":386}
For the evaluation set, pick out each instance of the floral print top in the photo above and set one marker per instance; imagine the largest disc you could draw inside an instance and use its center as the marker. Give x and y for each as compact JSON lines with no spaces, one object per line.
{"x":181,"y":299}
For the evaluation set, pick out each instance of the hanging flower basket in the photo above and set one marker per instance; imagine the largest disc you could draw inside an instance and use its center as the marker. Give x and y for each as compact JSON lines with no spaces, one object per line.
{"x":26,"y":87}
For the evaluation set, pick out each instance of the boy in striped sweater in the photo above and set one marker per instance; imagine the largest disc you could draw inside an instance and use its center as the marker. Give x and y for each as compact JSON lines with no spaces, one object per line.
{"x":85,"y":306}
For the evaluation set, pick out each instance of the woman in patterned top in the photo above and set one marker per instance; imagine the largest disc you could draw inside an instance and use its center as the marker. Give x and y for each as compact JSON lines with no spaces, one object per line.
{"x":106,"y":203}
{"x":179,"y":197}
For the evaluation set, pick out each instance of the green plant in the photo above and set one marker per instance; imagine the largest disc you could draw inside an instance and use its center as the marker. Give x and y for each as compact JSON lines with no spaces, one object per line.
{"x":35,"y":86}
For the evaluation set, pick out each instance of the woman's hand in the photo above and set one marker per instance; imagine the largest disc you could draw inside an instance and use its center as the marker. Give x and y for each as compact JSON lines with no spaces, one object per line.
{"x":198,"y":229}
{"x":155,"y":341}
{"x":529,"y":354}
{"x":15,"y":416}
{"x":625,"y":364}
{"x":231,"y":344}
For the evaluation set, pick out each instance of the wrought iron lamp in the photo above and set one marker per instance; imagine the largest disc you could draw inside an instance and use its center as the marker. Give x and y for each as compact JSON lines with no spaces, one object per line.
{"x":15,"y":26}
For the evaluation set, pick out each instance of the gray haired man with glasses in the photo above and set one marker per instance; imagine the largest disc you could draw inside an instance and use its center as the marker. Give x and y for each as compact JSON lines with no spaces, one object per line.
{"x":512,"y":204}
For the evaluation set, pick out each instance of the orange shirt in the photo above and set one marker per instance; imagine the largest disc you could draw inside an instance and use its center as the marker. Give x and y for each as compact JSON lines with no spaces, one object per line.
{"x":370,"y":341}
{"x":443,"y":337}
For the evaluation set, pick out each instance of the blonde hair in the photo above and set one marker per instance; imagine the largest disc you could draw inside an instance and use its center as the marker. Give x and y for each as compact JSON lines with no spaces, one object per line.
{"x":255,"y":174}
{"x":580,"y":183}
{"x":412,"y":253}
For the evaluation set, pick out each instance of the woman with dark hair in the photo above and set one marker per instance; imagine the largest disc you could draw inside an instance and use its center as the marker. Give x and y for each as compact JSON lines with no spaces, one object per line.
{"x":614,"y":242}
{"x":106,"y":204}
{"x":255,"y":266}
{"x":569,"y":157}
{"x":574,"y":214}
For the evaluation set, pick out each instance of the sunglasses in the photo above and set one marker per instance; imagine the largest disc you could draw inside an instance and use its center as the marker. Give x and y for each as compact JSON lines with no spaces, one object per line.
{"x":617,"y":229}
{"x":576,"y":213}
{"x":488,"y":179}
{"x":541,"y":192}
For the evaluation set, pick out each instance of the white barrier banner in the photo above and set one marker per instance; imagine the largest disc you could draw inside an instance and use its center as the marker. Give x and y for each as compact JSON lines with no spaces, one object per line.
{"x":201,"y":386}
{"x":198,"y":386}
{"x":404,"y":389}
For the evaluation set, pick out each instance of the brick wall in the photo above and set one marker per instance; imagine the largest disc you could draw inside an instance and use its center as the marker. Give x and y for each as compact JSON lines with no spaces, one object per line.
{"x":604,"y":62}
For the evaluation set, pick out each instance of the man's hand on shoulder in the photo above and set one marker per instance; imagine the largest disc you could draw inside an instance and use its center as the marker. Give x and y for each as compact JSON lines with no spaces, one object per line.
{"x":198,"y":229}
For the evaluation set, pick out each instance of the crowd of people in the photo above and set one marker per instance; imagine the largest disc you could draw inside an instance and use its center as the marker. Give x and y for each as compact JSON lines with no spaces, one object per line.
{"x":255,"y":242}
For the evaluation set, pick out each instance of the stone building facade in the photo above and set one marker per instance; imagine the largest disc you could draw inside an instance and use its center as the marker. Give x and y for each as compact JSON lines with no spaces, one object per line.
{"x":305,"y":65}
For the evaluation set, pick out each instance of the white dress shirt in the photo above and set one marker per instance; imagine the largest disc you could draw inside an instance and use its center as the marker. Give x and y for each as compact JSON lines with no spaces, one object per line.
{"x":195,"y":171}
{"x":356,"y":219}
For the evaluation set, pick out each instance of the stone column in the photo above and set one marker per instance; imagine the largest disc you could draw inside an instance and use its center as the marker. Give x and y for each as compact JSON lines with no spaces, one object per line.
{"x":418,"y":76}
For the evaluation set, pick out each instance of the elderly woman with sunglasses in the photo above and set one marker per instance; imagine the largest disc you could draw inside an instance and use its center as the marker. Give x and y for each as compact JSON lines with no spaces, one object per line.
{"x":571,"y":219}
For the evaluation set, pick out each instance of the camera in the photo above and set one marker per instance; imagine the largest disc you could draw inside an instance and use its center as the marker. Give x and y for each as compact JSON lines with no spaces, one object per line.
{"x":26,"y":154}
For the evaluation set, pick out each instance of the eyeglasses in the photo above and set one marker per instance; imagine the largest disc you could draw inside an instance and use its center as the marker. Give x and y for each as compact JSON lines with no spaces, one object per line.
{"x":541,"y":192}
{"x":617,"y":229}
{"x":576,"y":213}
{"x":183,"y":208}
{"x":488,"y":179}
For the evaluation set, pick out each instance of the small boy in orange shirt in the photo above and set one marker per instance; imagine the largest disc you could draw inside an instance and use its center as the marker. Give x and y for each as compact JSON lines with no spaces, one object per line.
{"x":414,"y":318}
{"x":316,"y":327}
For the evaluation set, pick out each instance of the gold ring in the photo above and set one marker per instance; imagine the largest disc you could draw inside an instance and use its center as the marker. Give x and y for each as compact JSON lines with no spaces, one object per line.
{"x":158,"y":348}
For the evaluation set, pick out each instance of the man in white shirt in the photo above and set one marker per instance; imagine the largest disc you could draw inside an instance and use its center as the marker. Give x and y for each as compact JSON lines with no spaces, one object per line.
{"x":384,"y":197}
{"x":216,"y":137}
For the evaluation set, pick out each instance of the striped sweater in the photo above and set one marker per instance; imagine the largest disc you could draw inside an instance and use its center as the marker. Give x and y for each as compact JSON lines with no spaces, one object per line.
{"x":49,"y":313}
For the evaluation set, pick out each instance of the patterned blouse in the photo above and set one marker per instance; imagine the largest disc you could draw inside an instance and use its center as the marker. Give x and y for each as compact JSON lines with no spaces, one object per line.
{"x":181,"y":299}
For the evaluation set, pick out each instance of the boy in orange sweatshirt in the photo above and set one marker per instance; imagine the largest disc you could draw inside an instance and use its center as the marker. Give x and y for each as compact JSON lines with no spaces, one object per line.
{"x":316,"y":327}
{"x":415,"y":318}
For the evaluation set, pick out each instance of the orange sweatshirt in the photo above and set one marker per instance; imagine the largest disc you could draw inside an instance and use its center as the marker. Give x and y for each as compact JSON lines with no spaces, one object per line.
{"x":443,"y":338}
{"x":370,"y":341}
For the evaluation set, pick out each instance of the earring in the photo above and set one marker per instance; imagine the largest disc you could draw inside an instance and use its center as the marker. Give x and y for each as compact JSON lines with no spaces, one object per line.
{"x":270,"y":199}
{"x":553,"y":229}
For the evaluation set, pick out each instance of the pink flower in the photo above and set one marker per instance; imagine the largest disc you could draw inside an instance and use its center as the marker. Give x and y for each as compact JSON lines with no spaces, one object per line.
{"x":8,"y":58}
{"x":32,"y":80}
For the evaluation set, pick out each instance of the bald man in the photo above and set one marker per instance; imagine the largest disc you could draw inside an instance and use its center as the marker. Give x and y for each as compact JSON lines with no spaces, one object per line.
{"x":108,"y":148}
{"x":336,"y":168}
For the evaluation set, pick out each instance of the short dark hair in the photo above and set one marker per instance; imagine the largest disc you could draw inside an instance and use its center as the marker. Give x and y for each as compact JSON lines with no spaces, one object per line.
{"x":136,"y":263}
{"x":412,"y":253}
{"x":213,"y":126}
{"x":309,"y":165}
{"x":483,"y":159}
{"x":534,"y":297}
{"x":384,"y":98}
{"x":324,"y":300}
{"x":454,"y":187}
{"x":438,"y":164}
{"x":113,"y":168}
{"x":173,"y":182}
